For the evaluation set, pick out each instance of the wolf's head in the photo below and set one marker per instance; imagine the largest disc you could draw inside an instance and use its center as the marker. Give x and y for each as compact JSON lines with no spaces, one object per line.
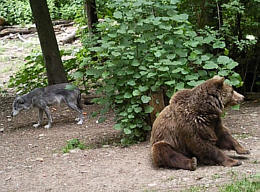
{"x":19,"y":104}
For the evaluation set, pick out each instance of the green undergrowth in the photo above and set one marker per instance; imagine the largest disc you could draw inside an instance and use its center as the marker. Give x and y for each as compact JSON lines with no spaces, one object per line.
{"x":248,"y":184}
{"x":73,"y":144}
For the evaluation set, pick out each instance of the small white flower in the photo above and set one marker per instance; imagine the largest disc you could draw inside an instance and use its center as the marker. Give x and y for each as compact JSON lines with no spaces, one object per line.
{"x":250,"y":37}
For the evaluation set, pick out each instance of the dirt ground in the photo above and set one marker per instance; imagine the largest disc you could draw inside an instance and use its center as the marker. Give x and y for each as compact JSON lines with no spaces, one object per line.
{"x":31,"y":160}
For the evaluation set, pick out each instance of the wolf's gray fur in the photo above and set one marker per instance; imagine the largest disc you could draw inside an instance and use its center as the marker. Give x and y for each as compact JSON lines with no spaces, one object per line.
{"x":41,"y":98}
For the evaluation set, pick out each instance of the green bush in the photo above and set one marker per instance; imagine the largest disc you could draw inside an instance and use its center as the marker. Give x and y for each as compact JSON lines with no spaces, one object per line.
{"x":16,"y":12}
{"x":73,"y":144}
{"x":19,"y":11}
{"x":251,"y":184}
{"x":33,"y":73}
{"x":146,"y":46}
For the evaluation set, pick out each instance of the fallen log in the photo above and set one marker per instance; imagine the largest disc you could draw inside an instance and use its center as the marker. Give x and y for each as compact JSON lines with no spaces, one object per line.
{"x":9,"y":30}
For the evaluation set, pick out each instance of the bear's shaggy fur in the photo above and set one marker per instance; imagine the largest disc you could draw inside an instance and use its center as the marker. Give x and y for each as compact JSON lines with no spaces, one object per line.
{"x":190,"y":128}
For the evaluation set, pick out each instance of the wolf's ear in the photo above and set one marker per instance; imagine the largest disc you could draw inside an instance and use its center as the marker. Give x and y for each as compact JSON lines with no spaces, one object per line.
{"x":20,"y":100}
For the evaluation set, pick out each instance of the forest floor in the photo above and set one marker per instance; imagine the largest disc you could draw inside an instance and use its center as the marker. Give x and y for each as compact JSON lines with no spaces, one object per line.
{"x":32,"y":159}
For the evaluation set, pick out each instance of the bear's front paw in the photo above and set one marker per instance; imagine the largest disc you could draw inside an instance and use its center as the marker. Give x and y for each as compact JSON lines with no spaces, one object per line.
{"x":193,"y":164}
{"x":231,"y":163}
{"x":242,"y":151}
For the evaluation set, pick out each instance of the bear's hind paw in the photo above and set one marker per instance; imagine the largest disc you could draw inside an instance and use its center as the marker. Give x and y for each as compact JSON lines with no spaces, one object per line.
{"x":193,"y":164}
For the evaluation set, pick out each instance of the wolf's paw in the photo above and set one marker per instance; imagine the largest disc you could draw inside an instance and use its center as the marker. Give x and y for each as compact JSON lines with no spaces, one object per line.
{"x":36,"y":125}
{"x":80,"y":122}
{"x":47,"y":126}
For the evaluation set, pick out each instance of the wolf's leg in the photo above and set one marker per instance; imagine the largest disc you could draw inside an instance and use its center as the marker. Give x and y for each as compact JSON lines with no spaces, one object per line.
{"x":76,"y":108}
{"x":226,"y":141}
{"x":164,"y":155}
{"x":40,"y":112}
{"x":48,"y":114}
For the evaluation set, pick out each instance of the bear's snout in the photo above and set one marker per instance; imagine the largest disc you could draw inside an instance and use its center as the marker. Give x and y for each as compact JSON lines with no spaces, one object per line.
{"x":237,"y":97}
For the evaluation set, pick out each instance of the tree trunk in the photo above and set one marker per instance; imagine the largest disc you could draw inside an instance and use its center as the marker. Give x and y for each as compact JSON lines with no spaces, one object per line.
{"x":157,"y":102}
{"x":55,"y":71}
{"x":91,"y":13}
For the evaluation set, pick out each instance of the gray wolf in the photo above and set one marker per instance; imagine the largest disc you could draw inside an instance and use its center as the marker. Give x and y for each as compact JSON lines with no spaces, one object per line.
{"x":42,"y":98}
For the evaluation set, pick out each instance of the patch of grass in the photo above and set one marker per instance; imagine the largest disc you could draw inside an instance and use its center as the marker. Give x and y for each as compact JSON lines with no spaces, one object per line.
{"x":216,"y":176}
{"x":73,"y":144}
{"x":196,"y":189}
{"x":2,"y":49}
{"x":233,"y":174}
{"x":4,"y":59}
{"x":171,"y":178}
{"x":6,"y":69}
{"x":147,"y":190}
{"x":242,"y":136}
{"x":251,"y":184}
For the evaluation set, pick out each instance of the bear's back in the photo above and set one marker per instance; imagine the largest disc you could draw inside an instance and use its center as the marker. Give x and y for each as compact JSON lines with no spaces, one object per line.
{"x":167,"y":124}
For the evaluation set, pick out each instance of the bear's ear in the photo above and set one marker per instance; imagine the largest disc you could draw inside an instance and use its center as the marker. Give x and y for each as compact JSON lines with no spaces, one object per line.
{"x":219,"y":80}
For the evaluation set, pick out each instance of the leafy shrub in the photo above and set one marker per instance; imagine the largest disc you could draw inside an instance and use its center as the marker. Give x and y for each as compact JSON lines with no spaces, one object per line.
{"x":16,"y":12}
{"x":19,"y":11}
{"x":147,"y":46}
{"x":251,"y":184}
{"x":67,"y":10}
{"x":73,"y":144}
{"x":33,"y":73}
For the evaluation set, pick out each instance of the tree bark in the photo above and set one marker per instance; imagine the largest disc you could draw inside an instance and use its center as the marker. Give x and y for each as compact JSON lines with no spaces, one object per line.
{"x":157,"y":102}
{"x":55,"y":71}
{"x":91,"y":13}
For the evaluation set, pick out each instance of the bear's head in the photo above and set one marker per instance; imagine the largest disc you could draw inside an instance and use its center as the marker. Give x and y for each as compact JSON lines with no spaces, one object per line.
{"x":227,"y":94}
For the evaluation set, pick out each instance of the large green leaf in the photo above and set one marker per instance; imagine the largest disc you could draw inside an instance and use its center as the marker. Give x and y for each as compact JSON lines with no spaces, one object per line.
{"x":157,"y":54}
{"x":78,"y":75}
{"x":148,"y":109}
{"x":223,"y":73}
{"x":191,"y":77}
{"x":136,"y":92}
{"x":131,"y":82}
{"x":127,"y":131}
{"x":232,"y":65}
{"x":163,"y":68}
{"x":219,"y":44}
{"x":179,"y":86}
{"x":143,"y":88}
{"x":127,"y":95}
{"x":170,"y":82}
{"x":181,"y":52}
{"x":117,"y":14}
{"x":205,"y":57}
{"x":145,"y":99}
{"x":117,"y":126}
{"x":174,"y":1}
{"x":138,"y":109}
{"x":181,"y":17}
{"x":223,"y":60}
{"x":210,"y":65}
{"x":177,"y":70}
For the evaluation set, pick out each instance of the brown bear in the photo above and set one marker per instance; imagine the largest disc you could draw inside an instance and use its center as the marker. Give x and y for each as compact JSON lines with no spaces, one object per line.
{"x":190,"y":128}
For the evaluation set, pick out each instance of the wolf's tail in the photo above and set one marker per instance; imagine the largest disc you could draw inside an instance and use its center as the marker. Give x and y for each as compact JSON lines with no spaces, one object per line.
{"x":79,"y":104}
